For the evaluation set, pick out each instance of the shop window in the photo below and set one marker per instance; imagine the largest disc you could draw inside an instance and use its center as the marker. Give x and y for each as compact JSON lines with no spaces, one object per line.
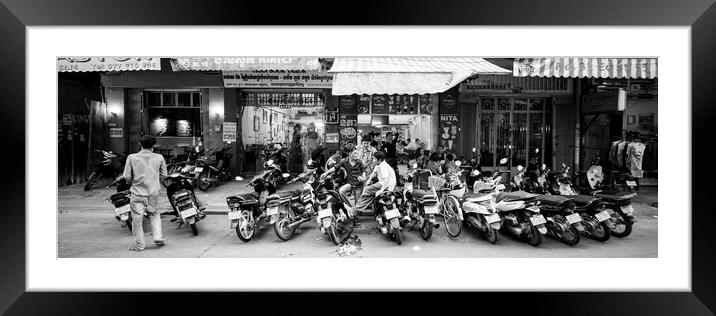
{"x":173,"y":113}
{"x":487,"y":104}
{"x":520,"y":104}
{"x":503,"y":104}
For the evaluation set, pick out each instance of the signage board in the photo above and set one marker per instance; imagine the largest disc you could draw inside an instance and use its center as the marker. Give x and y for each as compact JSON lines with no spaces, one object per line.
{"x":229,"y":135}
{"x":115,"y":132}
{"x":278,"y":79}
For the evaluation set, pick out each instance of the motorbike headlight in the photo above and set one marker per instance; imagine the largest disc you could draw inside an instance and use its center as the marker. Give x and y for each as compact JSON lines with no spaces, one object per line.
{"x":475,"y":172}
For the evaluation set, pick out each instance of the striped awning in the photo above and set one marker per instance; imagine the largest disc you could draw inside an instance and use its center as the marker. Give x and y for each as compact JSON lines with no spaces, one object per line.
{"x":244,"y":63}
{"x":632,"y":68}
{"x":84,"y":64}
{"x":405,"y":75}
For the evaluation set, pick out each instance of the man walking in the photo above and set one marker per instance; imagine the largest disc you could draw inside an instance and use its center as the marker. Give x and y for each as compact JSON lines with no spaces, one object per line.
{"x":144,"y":171}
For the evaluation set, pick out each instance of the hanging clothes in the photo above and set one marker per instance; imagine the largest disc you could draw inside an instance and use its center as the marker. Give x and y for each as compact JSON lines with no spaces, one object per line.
{"x":635,"y":158}
{"x":621,"y":154}
{"x":613,"y":159}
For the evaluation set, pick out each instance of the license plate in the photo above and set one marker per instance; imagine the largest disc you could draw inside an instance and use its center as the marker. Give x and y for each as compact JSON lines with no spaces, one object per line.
{"x":234,"y":215}
{"x":122,"y":209}
{"x":324,"y":213}
{"x":537,"y":220}
{"x":188,"y":212}
{"x":272,"y":210}
{"x":431,"y":210}
{"x":631,"y":183}
{"x":628,"y":210}
{"x":390,"y":214}
{"x":602,"y":216}
{"x":573,"y":218}
{"x":198,"y":169}
{"x":492,"y":218}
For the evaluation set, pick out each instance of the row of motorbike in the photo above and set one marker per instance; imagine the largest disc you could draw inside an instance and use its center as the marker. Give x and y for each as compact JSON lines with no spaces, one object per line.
{"x":550,"y":206}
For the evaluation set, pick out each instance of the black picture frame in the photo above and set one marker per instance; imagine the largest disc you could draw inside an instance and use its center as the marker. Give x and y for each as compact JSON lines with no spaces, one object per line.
{"x":16,"y":15}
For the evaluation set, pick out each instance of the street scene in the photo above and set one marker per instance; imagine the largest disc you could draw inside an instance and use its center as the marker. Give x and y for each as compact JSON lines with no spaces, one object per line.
{"x":396,"y":157}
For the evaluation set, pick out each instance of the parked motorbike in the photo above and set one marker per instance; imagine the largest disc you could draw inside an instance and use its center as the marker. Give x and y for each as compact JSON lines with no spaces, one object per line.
{"x":108,"y":163}
{"x":274,"y":174}
{"x":209,"y":174}
{"x":480,"y":211}
{"x":388,"y":216}
{"x":248,"y":212}
{"x":295,"y":208}
{"x":420,"y":203}
{"x":120,"y":200}
{"x":184,"y":202}
{"x":617,"y":203}
{"x":475,"y":170}
{"x":596,"y":220}
{"x":184,"y":166}
{"x":563,"y":223}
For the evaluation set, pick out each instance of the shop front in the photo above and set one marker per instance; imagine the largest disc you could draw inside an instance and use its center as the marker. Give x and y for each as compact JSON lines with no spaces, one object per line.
{"x":415,"y":97}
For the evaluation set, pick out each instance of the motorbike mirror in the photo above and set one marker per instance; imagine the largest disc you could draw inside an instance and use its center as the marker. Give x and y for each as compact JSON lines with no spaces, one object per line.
{"x":519,"y":167}
{"x":474,"y":149}
{"x":270,"y":162}
{"x":536,"y":150}
{"x":239,"y":178}
{"x":563,"y":165}
{"x":286,"y":175}
{"x":415,"y":166}
{"x":503,"y":161}
{"x":458,"y":163}
{"x":544,"y":166}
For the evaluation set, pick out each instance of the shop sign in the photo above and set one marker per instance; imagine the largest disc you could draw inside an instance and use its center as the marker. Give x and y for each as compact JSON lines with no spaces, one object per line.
{"x":348,"y":104}
{"x":605,"y":101}
{"x":332,"y":138}
{"x":67,"y":119}
{"x":348,"y":124}
{"x":278,"y":79}
{"x":229,"y":135}
{"x":426,"y":104}
{"x":244,"y":63}
{"x":107,"y":64}
{"x":448,"y":134}
{"x":115,"y":132}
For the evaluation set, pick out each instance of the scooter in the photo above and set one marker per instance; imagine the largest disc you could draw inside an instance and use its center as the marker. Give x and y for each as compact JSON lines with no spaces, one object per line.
{"x":120,"y":200}
{"x":420,"y":204}
{"x":109,"y":164}
{"x":475,"y":170}
{"x":210,"y":174}
{"x":481,"y":213}
{"x":563,"y":223}
{"x":184,"y":202}
{"x":388,"y":216}
{"x":596,"y":220}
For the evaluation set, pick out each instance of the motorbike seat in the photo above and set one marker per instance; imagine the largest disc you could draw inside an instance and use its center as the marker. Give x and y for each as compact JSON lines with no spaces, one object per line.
{"x":582,"y":200}
{"x":615,"y":196}
{"x":553,"y":200}
{"x":476,"y":197}
{"x":514,"y":196}
{"x":419,"y":194}
{"x":284,"y":194}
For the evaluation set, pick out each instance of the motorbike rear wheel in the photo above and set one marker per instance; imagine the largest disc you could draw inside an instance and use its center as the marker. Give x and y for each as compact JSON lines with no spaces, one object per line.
{"x":281,"y":228}
{"x":94,"y":176}
{"x":426,"y":231}
{"x":534,"y":238}
{"x":204,"y":180}
{"x":397,"y":236}
{"x":601,"y":233}
{"x":128,"y":222}
{"x":621,"y":222}
{"x":452,"y":221}
{"x":571,"y":236}
{"x":194,"y":231}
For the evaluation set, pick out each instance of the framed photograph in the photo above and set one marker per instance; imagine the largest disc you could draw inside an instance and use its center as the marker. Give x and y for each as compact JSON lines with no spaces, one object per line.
{"x":630,"y":120}
{"x":67,"y":239}
{"x":646,"y":118}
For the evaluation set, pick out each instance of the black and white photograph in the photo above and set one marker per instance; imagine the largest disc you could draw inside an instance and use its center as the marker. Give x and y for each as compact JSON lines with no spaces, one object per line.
{"x":357,"y":156}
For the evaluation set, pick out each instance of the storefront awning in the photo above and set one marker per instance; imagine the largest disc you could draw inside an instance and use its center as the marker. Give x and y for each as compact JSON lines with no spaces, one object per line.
{"x":244,"y":63}
{"x":82,"y":64}
{"x":405,"y":75}
{"x":632,"y":68}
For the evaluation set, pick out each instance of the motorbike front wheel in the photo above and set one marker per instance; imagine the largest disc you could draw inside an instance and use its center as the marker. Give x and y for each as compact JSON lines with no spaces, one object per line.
{"x":204,"y":180}
{"x":282,"y":230}
{"x":453,"y":224}
{"x":601,"y":233}
{"x":426,"y":231}
{"x":92,"y":179}
{"x":244,"y":228}
{"x":490,"y":234}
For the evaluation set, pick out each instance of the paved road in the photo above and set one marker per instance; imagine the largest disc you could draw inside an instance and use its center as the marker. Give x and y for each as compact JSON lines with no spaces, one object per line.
{"x":87,"y":228}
